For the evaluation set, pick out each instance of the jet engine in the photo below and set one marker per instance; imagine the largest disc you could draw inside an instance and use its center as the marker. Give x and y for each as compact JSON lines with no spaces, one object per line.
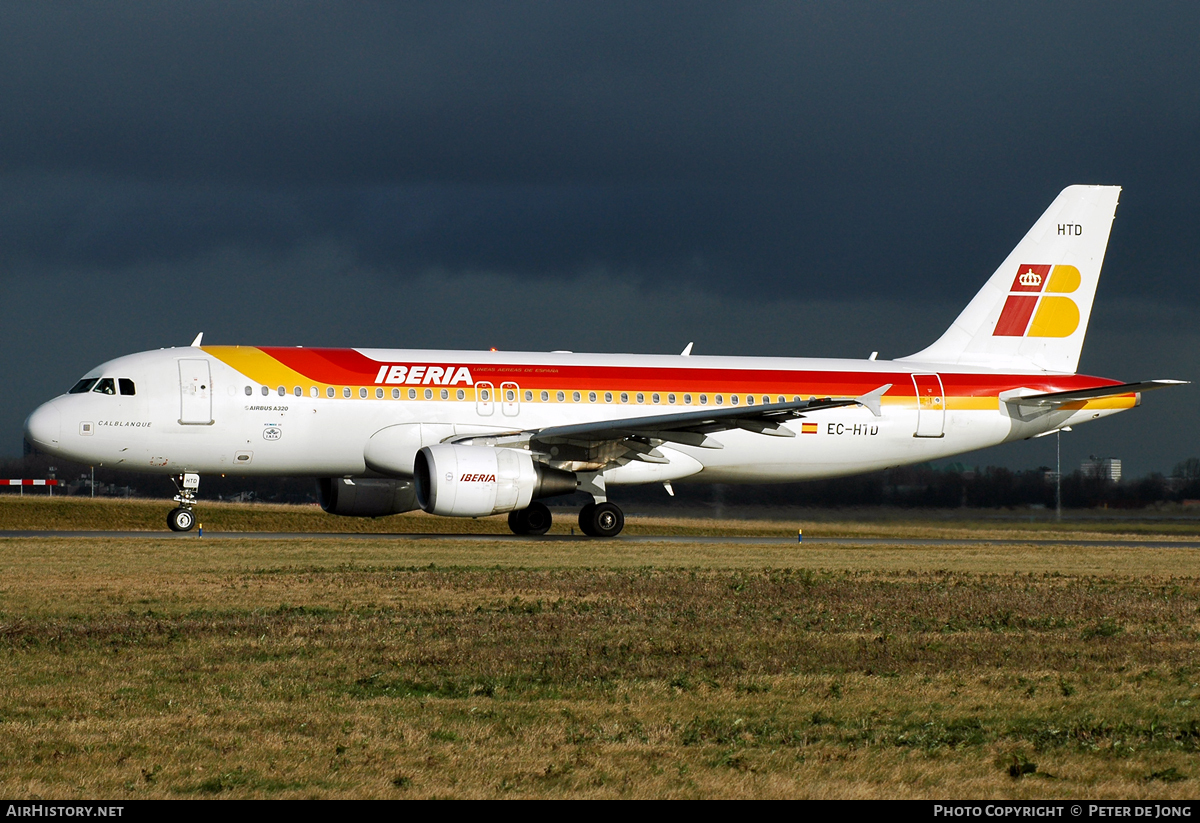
{"x":366,"y":496}
{"x":475,"y":481}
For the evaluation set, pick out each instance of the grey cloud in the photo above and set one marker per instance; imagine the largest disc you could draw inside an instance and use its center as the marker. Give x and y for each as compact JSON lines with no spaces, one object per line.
{"x":790,"y":178}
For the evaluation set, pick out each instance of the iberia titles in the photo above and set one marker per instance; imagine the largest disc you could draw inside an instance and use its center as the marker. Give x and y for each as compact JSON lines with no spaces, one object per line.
{"x":424,"y":375}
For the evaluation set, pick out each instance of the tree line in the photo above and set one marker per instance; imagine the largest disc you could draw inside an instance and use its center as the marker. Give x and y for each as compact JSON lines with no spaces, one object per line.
{"x":921,"y":486}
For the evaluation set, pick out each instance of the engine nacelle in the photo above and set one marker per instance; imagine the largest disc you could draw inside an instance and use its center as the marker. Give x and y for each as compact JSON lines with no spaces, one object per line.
{"x":475,"y":481}
{"x":366,"y":496}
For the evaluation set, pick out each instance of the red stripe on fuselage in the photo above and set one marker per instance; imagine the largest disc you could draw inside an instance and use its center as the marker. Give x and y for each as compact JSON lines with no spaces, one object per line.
{"x":331,"y":366}
{"x":350,"y":367}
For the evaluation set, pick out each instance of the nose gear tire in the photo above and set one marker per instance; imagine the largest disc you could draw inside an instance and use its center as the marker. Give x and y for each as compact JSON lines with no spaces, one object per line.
{"x":181,"y":520}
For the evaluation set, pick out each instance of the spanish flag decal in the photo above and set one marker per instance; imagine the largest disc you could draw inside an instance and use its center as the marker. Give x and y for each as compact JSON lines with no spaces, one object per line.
{"x":808,"y":428}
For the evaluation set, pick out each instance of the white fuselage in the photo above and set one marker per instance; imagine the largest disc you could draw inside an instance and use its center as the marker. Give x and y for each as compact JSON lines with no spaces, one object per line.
{"x":257,"y":411}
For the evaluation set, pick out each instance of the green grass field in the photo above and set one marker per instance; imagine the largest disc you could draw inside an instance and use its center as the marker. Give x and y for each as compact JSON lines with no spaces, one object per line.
{"x":193,"y":668}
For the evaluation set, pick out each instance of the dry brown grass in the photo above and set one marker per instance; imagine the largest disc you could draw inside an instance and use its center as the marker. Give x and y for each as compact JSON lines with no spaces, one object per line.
{"x":525,"y":668}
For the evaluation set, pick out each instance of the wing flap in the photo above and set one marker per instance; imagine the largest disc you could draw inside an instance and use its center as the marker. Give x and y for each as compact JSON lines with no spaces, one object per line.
{"x":766,"y":419}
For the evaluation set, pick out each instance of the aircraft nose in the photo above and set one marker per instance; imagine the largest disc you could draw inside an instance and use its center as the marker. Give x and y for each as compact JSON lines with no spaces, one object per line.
{"x":43,"y":428}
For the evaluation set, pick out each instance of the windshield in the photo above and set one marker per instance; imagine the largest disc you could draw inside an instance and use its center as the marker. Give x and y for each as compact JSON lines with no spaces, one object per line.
{"x":84,"y":385}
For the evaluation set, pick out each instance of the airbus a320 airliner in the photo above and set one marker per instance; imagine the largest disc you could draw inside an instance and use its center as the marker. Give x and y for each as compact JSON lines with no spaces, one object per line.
{"x":476,"y":433}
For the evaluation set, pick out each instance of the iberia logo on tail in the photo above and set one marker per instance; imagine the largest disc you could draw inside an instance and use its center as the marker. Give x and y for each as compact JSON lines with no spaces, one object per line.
{"x":1037,"y":292}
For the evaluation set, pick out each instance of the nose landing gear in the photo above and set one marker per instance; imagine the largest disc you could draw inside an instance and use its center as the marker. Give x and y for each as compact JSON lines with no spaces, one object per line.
{"x":182,"y":518}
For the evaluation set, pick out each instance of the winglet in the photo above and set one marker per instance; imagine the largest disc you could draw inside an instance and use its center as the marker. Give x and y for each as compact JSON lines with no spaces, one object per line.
{"x":872,"y":400}
{"x":196,"y":342}
{"x":687,"y":351}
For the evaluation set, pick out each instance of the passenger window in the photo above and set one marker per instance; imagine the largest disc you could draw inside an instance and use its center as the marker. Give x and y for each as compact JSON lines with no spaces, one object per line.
{"x":429,"y":394}
{"x":329,"y":392}
{"x":720,"y":399}
{"x":733,"y":400}
{"x":704,"y":400}
{"x":395,"y":394}
{"x":445,"y":394}
{"x":781,"y":398}
{"x":749,"y":400}
{"x":575,"y":396}
{"x":654,"y":397}
{"x":561,"y":397}
{"x":265,"y":391}
{"x":591,"y":397}
{"x":671,"y":399}
{"x":346,"y":391}
{"x":484,"y":394}
{"x":83,"y":385}
{"x":126,"y":385}
{"x":460,"y":394}
{"x":299,"y":392}
{"x":362,"y":393}
{"x":766,"y":400}
{"x":641,"y":398}
{"x":379,"y":394}
{"x":545,"y":396}
{"x":412,"y":394}
{"x":313,"y":392}
{"x":282,"y":391}
{"x":624,"y":397}
{"x":249,"y":391}
{"x":687,"y":400}
{"x":608,"y":397}
{"x":529,"y":396}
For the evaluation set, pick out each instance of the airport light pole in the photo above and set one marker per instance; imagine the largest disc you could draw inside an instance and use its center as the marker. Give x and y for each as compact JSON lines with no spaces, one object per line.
{"x":1058,"y":475}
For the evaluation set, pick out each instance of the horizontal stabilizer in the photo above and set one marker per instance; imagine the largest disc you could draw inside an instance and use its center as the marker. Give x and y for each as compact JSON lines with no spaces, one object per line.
{"x":1060,"y":397}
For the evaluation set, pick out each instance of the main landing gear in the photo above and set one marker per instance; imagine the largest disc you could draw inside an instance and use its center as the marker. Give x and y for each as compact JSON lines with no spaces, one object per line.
{"x":182,"y":518}
{"x":535,"y":519}
{"x":595,"y":520}
{"x":601,"y":520}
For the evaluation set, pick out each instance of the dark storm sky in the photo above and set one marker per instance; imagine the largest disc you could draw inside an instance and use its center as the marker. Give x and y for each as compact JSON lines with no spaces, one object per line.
{"x":794,"y":179}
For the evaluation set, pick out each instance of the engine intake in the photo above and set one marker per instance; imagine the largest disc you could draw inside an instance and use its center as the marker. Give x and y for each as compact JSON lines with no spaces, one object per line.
{"x":366,"y":496}
{"x":475,"y":481}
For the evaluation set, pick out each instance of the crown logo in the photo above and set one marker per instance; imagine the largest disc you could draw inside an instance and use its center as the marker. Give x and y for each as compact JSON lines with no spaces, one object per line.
{"x":1030,"y":278}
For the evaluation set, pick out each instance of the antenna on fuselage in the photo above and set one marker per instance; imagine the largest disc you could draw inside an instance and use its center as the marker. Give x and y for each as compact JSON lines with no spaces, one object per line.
{"x":196,"y":342}
{"x":687,"y":351}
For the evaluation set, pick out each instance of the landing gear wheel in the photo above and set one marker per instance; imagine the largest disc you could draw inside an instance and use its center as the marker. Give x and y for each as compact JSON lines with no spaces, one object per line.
{"x":181,"y":520}
{"x":535,"y":519}
{"x":601,"y":520}
{"x":585,"y":519}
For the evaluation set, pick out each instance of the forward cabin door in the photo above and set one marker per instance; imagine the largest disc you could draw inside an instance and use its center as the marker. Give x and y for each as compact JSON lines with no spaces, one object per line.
{"x":195,"y":393}
{"x":931,"y":405}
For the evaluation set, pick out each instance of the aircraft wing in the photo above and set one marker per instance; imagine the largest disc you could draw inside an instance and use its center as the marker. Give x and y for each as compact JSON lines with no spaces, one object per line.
{"x":636,"y":437}
{"x":1058,"y":398}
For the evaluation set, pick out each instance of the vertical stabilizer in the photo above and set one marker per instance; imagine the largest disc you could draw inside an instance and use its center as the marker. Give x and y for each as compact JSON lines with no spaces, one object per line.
{"x":1033,"y":312}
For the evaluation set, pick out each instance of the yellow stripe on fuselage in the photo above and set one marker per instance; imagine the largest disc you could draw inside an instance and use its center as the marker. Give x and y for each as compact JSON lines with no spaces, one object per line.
{"x":259,"y":366}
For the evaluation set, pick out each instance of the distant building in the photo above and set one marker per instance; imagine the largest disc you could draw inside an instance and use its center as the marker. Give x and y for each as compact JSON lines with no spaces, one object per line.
{"x":1108,"y":468}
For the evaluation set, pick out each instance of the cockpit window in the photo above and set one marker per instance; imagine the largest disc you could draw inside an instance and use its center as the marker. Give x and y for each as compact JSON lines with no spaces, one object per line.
{"x":83,"y":385}
{"x":106,"y":386}
{"x":126,"y":385}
